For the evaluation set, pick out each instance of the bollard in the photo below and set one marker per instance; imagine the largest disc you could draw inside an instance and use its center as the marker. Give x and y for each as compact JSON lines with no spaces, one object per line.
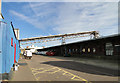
{"x":16,"y":67}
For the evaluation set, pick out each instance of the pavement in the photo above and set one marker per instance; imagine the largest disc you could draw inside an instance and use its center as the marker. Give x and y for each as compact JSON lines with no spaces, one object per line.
{"x":58,"y":68}
{"x":24,"y":73}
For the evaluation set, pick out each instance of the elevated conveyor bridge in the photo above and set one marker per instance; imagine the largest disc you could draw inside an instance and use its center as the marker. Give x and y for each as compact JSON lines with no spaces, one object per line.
{"x":63,"y":37}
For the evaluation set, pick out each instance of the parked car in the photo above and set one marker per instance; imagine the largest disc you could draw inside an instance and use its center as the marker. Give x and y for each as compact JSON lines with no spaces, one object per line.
{"x":50,"y":53}
{"x":41,"y":53}
{"x":37,"y":53}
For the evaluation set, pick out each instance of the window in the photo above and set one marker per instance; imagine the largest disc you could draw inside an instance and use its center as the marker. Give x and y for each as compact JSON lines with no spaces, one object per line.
{"x":88,"y":49}
{"x":80,"y":49}
{"x":76,"y":50}
{"x":73,"y":50}
{"x":109,"y":49}
{"x":69,"y":50}
{"x":94,"y":50}
{"x":83,"y":50}
{"x":117,"y":49}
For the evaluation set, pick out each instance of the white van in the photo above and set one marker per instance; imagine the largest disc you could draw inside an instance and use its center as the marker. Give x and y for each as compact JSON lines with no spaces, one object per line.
{"x":28,"y":54}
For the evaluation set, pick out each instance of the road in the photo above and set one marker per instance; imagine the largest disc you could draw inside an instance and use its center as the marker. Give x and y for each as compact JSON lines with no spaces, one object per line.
{"x":48,"y":68}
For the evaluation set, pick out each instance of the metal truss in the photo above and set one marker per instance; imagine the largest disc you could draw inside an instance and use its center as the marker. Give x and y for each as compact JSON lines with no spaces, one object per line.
{"x":92,"y":34}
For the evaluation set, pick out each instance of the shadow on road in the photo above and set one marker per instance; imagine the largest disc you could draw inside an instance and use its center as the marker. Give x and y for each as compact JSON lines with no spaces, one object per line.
{"x":22,"y":64}
{"x":84,"y":68}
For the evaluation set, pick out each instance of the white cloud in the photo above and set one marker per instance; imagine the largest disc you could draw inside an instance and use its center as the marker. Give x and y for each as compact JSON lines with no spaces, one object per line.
{"x":31,"y":21}
{"x":79,"y":17}
{"x":36,"y":7}
{"x":73,"y":17}
{"x":42,"y":9}
{"x":60,"y":0}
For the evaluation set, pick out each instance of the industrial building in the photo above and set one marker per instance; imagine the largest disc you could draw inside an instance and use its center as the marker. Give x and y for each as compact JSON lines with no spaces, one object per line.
{"x":104,"y":47}
{"x":9,"y":48}
{"x":97,"y":47}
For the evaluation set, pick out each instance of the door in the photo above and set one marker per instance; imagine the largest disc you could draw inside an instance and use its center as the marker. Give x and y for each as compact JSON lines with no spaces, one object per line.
{"x":14,"y":52}
{"x":109,"y":49}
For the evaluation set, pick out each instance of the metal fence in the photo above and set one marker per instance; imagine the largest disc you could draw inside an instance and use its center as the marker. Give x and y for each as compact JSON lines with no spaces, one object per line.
{"x":9,"y":47}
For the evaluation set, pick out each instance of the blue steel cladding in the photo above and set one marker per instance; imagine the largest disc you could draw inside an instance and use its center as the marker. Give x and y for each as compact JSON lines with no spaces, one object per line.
{"x":7,"y":54}
{"x":0,"y":49}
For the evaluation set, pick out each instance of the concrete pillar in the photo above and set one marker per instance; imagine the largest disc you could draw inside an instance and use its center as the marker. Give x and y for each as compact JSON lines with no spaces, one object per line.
{"x":17,"y":33}
{"x":63,"y":40}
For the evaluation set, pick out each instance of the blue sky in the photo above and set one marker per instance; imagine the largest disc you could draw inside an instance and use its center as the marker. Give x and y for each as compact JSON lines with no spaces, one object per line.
{"x":35,"y":19}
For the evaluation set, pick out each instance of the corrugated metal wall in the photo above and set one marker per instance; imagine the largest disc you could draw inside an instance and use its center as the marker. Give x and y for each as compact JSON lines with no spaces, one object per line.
{"x":7,"y":50}
{"x":0,"y":49}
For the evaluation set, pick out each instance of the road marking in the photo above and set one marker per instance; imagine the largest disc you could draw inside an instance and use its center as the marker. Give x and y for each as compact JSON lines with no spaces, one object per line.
{"x":44,"y":71}
{"x":33,"y":69}
{"x":73,"y":76}
{"x":37,"y":78}
{"x":55,"y":71}
{"x":65,"y":73}
{"x":36,"y":70}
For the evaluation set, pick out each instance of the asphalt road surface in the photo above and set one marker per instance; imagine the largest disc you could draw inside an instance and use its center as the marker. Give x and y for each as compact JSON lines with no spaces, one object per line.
{"x":47,"y":68}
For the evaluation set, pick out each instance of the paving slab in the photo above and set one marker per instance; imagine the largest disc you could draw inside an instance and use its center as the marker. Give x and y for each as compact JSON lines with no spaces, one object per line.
{"x":24,"y":73}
